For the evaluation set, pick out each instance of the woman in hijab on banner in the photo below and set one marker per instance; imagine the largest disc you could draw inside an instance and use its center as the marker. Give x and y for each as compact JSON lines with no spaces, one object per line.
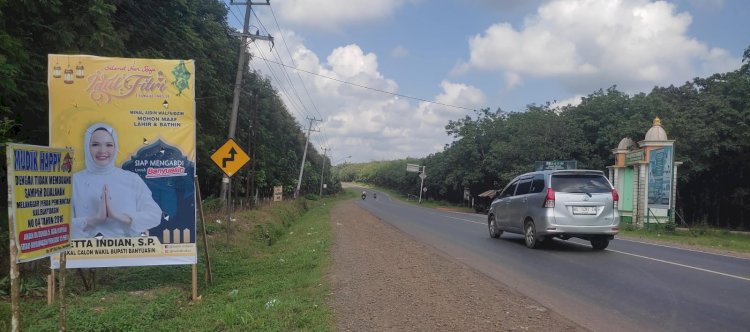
{"x":107,"y":200}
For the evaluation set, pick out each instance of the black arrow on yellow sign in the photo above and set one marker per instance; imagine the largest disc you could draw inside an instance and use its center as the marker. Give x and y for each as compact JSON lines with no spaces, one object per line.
{"x":230,"y":157}
{"x":224,"y":161}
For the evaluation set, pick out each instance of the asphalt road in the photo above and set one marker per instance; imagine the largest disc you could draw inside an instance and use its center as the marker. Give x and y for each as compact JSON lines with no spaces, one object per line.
{"x":629,"y":286}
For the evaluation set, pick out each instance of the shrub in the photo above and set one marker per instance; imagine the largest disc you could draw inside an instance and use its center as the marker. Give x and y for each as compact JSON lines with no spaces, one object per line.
{"x":700,"y":229}
{"x":212,"y":204}
{"x":629,"y":227}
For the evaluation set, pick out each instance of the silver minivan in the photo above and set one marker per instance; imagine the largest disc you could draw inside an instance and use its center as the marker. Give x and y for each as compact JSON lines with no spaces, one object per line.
{"x":561,"y":203}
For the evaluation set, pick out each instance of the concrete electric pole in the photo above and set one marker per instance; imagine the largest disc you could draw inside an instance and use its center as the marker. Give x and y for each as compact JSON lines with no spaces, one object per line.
{"x":304,"y":155}
{"x":325,"y":150}
{"x":225,"y":181}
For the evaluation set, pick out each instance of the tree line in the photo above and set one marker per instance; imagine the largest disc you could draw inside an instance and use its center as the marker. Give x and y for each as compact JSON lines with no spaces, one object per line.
{"x":708,"y":117}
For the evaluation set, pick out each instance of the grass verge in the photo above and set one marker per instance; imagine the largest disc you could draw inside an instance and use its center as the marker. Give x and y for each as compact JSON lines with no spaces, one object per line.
{"x":271,"y":277}
{"x":698,"y":237}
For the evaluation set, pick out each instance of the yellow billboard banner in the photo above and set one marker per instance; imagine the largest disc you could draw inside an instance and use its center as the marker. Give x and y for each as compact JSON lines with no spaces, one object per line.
{"x":132,"y":124}
{"x":39,"y":181}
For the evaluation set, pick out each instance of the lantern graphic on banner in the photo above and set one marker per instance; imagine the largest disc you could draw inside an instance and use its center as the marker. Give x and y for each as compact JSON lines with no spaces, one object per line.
{"x":79,"y":70}
{"x":68,"y":74}
{"x":56,"y":70}
{"x":68,"y":79}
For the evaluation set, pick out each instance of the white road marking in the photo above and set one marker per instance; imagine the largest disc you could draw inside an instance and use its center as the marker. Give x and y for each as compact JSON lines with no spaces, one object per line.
{"x":681,"y":265}
{"x":644,"y":257}
{"x":467,"y":220}
{"x":687,"y":249}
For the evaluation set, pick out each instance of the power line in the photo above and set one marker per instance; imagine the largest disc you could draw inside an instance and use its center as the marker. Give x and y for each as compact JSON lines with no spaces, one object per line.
{"x":286,"y":73}
{"x":289,"y":79}
{"x":231,"y":10}
{"x":298,"y":109}
{"x":315,"y":107}
{"x":370,"y":88}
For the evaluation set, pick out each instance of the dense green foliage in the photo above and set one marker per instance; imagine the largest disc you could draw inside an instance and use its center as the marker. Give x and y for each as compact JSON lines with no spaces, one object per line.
{"x":708,"y":117}
{"x":183,"y":29}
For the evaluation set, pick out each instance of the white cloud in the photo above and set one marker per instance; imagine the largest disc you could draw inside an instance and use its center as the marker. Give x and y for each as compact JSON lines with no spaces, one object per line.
{"x":572,"y":101}
{"x":362,"y":122}
{"x":589,"y":44}
{"x":334,"y":14}
{"x":350,"y":61}
{"x":432,"y":114}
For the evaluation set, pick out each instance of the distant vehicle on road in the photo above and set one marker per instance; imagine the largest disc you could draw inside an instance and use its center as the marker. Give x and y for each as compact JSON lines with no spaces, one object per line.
{"x":561,"y":203}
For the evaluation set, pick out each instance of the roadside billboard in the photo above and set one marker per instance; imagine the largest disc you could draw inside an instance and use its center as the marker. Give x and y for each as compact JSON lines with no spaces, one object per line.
{"x":39,"y":187}
{"x":660,"y":178}
{"x":131,"y":124}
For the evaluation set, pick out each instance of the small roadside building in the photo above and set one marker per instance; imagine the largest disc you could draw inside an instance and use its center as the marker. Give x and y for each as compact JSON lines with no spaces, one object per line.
{"x":645,"y":176}
{"x":483,"y":201}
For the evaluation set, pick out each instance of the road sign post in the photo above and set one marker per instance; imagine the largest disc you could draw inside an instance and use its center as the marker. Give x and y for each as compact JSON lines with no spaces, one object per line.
{"x":230,"y":158}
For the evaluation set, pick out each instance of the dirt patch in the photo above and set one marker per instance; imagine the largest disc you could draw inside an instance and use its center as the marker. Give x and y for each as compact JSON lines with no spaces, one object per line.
{"x":382,"y":280}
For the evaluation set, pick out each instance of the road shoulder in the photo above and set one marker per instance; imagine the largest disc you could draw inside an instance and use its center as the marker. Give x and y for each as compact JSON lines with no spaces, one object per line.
{"x":383,"y":280}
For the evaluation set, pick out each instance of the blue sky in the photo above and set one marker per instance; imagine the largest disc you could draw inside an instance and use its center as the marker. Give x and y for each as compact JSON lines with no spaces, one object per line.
{"x":473,"y":54}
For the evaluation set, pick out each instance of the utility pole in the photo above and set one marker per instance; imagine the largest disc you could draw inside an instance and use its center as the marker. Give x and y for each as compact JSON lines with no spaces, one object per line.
{"x":225,"y":181}
{"x":422,"y":175}
{"x":304,"y":155}
{"x":254,"y":141}
{"x":321,"y":172}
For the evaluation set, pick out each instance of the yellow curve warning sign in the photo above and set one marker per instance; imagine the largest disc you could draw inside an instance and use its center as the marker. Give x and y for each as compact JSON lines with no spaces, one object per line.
{"x":230,"y":157}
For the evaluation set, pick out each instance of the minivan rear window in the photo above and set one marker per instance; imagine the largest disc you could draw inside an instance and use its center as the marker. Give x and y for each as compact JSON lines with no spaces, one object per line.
{"x":523,"y":187}
{"x":538,"y":184}
{"x":580,"y":183}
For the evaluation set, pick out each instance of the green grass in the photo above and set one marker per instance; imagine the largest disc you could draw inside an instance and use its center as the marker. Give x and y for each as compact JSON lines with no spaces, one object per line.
{"x":699,"y":237}
{"x":270,"y":278}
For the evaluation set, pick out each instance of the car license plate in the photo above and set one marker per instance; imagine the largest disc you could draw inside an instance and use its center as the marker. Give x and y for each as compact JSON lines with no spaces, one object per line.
{"x":584,"y":210}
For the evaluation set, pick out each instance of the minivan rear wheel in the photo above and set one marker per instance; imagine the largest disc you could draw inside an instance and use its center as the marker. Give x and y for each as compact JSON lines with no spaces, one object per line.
{"x":530,"y":235}
{"x":599,"y":243}
{"x":495,"y":231}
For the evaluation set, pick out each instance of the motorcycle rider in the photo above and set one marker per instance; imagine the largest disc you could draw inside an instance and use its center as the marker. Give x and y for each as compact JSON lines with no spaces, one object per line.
{"x":364,"y":194}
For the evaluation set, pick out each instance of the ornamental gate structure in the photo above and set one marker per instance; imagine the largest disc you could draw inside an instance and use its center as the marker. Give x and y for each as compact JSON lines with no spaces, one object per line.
{"x":645,"y":175}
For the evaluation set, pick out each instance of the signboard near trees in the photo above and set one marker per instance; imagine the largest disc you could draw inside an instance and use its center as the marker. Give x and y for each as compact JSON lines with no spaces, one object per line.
{"x":131,"y":122}
{"x":39,"y":188}
{"x":550,"y":165}
{"x":39,"y":181}
{"x":660,"y":178}
{"x":634,"y":157}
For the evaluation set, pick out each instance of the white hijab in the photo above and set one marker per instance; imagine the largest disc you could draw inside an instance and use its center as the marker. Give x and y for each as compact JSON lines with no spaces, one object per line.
{"x":92,"y":166}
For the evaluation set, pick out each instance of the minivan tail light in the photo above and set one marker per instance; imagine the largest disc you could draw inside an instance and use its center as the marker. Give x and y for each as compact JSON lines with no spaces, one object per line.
{"x":615,"y":197}
{"x":549,"y":200}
